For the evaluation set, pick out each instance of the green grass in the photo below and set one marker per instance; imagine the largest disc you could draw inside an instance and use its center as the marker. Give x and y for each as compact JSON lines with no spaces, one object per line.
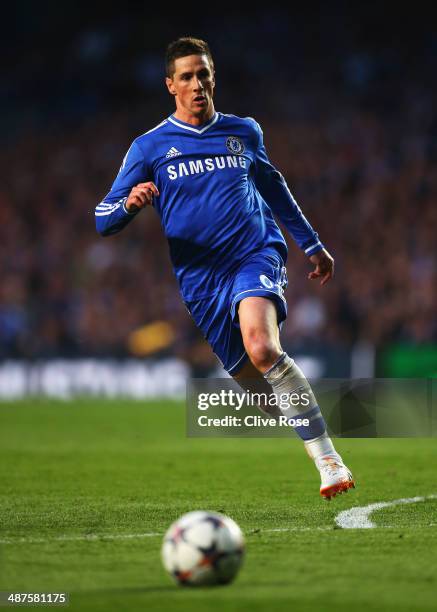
{"x":113,"y":468}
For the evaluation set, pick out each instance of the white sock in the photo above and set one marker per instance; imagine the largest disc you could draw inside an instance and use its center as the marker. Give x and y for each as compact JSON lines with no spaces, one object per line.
{"x":286,"y":379}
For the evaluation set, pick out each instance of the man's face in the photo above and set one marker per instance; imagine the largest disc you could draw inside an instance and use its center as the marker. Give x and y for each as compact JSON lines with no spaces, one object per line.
{"x":192,"y":84}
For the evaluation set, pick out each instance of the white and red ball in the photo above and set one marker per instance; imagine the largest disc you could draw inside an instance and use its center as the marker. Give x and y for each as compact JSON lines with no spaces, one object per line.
{"x":203,"y":548}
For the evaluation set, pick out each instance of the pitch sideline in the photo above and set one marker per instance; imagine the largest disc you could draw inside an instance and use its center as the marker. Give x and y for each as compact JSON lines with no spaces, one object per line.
{"x":94,"y":537}
{"x":354,"y":518}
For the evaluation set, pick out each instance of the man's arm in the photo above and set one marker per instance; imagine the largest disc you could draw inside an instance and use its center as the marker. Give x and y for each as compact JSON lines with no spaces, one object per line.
{"x":129,"y":193}
{"x":274,"y":190}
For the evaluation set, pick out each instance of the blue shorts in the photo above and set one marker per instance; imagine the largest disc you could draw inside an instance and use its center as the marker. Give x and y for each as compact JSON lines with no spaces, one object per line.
{"x":261,"y":274}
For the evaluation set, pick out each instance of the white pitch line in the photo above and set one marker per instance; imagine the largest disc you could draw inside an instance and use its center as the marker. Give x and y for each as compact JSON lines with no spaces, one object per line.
{"x":359,"y":517}
{"x":284,"y":529}
{"x":92,"y":537}
{"x":131,"y":536}
{"x":355,"y":518}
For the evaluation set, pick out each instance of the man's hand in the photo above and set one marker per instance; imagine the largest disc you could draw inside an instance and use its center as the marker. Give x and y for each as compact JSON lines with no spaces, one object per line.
{"x":324,"y":266}
{"x":141,"y":196}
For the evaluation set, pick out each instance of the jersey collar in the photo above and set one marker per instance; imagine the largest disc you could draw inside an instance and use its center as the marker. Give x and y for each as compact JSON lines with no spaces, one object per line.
{"x":190,"y":128}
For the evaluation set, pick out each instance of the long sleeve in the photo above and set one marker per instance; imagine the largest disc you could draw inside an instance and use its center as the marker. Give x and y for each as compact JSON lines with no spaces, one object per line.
{"x":111,"y":214}
{"x":274,"y":190}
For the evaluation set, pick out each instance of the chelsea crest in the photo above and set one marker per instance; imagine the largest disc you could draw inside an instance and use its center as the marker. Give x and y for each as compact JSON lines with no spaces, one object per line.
{"x":235,"y":145}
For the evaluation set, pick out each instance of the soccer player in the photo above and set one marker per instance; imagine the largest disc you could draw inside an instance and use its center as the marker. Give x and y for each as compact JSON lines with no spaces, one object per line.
{"x":208,"y":177}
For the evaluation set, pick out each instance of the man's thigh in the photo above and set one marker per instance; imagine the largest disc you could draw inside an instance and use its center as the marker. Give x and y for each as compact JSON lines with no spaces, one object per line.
{"x":258,"y":317}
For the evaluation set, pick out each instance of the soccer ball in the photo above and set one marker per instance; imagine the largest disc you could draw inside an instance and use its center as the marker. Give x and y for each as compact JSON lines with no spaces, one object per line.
{"x":203,"y":548}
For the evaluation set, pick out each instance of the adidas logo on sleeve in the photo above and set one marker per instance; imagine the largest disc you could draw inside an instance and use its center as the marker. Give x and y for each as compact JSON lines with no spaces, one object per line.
{"x":173,"y":153}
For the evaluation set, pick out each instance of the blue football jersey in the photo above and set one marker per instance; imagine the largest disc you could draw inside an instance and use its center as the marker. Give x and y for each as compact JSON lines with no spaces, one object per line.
{"x":218,"y":194}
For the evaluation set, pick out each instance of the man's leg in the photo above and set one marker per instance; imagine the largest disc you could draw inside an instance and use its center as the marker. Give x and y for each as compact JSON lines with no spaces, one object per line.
{"x":251,"y":379}
{"x":260,"y":333}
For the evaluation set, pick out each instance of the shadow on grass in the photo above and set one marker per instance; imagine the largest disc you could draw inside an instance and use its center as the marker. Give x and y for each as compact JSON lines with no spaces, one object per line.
{"x":129,"y":590}
{"x":174,"y":588}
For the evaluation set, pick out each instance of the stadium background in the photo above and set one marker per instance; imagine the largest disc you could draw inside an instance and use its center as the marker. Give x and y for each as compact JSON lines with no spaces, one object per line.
{"x":347,"y":103}
{"x":346,"y":96}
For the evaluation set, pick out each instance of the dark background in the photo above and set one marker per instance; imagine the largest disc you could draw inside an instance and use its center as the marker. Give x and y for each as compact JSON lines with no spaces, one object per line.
{"x":346,"y":97}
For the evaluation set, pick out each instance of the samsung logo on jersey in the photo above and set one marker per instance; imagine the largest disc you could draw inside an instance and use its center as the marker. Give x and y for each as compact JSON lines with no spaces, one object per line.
{"x":209,"y":164}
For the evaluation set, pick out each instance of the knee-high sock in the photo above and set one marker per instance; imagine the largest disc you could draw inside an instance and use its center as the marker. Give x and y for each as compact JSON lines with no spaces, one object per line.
{"x":289,"y":383}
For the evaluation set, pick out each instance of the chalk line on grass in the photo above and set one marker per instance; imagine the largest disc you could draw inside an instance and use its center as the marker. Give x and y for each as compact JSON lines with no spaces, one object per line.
{"x":94,"y":537}
{"x":354,"y":518}
{"x":359,"y":517}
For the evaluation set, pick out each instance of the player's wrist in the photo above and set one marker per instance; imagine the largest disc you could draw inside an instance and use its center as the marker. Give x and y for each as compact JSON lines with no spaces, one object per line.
{"x":315,"y":247}
{"x":130,"y":209}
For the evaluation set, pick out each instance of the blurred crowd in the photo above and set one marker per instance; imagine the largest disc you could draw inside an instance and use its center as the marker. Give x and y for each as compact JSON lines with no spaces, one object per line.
{"x":353,"y":131}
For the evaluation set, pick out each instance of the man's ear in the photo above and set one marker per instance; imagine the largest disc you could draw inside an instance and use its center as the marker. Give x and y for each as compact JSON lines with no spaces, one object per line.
{"x":170,"y":86}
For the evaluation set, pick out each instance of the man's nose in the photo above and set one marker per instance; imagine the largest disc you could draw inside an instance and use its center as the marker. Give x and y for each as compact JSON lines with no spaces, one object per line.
{"x":197,"y":84}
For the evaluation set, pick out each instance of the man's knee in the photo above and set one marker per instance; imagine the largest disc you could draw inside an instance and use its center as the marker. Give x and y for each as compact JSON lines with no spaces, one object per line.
{"x":263,"y":351}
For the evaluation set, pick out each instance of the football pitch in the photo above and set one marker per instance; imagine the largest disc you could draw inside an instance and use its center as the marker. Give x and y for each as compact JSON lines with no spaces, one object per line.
{"x":87,"y":489}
